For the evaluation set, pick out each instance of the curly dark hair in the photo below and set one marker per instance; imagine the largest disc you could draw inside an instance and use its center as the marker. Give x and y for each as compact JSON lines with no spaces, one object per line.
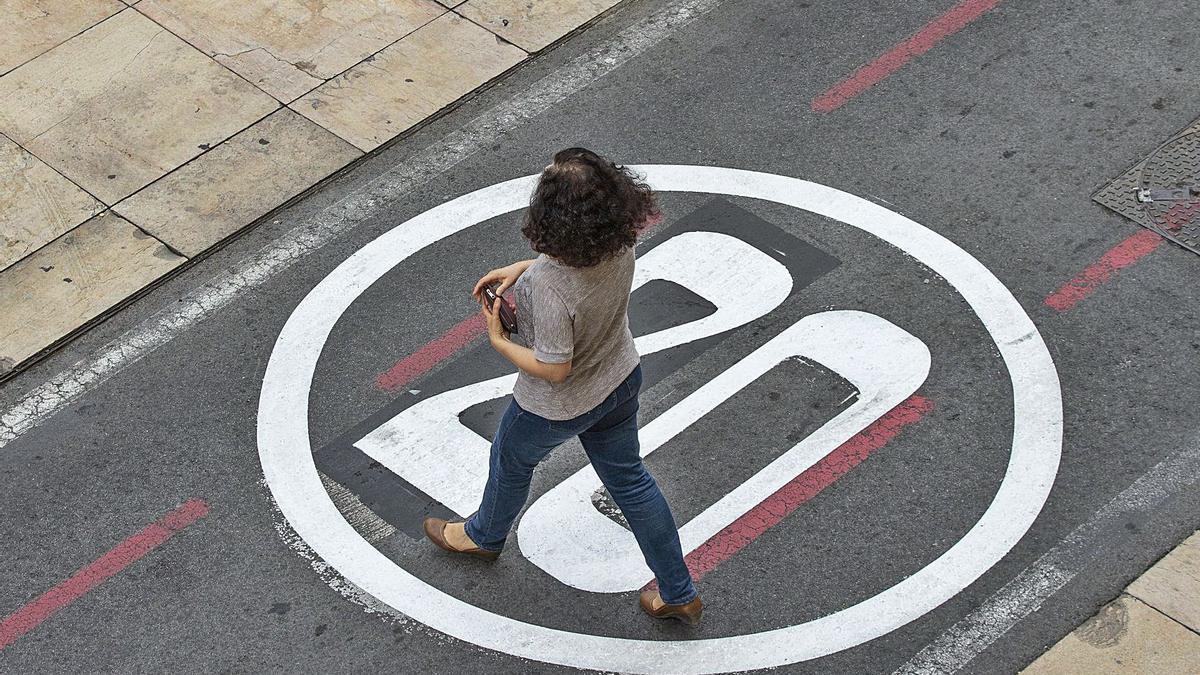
{"x":587,"y":209}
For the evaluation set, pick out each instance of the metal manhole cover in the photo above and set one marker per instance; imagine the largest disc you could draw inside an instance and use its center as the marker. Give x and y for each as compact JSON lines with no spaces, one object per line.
{"x":1170,"y":190}
{"x":1162,"y":192}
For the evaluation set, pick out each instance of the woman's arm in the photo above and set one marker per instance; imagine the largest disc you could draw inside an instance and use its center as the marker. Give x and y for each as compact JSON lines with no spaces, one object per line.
{"x":507,"y":276}
{"x":521,"y":357}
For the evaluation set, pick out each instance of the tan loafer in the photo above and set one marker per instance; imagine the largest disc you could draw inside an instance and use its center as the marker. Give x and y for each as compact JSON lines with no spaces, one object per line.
{"x":689,"y":613}
{"x":435,"y":530}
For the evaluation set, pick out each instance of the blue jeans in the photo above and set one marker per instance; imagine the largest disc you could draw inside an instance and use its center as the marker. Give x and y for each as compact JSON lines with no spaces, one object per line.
{"x":608,"y":433}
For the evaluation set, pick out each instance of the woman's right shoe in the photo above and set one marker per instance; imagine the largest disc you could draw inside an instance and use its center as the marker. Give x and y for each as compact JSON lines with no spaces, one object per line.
{"x":435,"y":530}
{"x":688,"y":613}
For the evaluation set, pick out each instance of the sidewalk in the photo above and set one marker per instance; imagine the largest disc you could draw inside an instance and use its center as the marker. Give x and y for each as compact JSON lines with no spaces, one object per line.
{"x":137,"y":134}
{"x":1152,"y":628}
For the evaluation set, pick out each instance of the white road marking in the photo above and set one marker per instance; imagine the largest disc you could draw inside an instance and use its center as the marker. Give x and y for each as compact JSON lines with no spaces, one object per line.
{"x":1022,"y":596}
{"x":370,"y":199}
{"x":418,"y":443}
{"x":285,"y":448}
{"x":884,"y":362}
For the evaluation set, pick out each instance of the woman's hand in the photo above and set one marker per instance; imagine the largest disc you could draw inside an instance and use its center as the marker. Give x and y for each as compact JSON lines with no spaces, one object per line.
{"x":507,"y":276}
{"x":495,"y":327}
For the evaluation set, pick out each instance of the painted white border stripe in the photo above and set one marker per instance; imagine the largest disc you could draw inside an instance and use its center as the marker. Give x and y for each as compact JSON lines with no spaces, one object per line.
{"x":1022,"y":596}
{"x":342,"y":216}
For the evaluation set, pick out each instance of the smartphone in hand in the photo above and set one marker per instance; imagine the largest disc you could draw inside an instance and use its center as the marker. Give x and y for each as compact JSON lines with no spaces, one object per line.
{"x":508,"y":317}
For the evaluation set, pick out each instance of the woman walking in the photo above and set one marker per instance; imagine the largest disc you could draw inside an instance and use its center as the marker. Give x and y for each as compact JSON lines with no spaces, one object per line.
{"x":580,"y":373}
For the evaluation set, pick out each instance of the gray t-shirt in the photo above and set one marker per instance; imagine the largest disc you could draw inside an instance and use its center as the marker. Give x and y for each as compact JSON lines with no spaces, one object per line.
{"x":581,"y":315}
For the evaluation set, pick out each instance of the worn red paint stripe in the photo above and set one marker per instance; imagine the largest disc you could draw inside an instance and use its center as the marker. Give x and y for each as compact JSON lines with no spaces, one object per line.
{"x":1181,"y":214}
{"x":1120,"y":256}
{"x":425,"y":358}
{"x":892,"y":60}
{"x":768,"y":513}
{"x":123,"y":555}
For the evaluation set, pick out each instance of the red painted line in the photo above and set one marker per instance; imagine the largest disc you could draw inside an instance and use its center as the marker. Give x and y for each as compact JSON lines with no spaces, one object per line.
{"x":723,"y":545}
{"x":425,"y":358}
{"x":1120,"y":256}
{"x":954,"y":20}
{"x":108,"y":565}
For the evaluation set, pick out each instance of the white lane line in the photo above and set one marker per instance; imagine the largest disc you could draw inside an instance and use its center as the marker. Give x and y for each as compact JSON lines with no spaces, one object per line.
{"x":1022,"y":596}
{"x":364,"y":202}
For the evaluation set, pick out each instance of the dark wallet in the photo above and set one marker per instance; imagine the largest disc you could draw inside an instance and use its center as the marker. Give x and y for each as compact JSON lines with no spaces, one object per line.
{"x":508,"y":318}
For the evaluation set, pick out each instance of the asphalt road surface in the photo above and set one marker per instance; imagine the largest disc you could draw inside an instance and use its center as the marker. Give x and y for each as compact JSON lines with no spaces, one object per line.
{"x":918,"y":403}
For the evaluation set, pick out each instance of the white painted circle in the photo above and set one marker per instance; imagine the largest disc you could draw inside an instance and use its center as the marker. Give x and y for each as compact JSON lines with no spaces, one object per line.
{"x":291,"y":475}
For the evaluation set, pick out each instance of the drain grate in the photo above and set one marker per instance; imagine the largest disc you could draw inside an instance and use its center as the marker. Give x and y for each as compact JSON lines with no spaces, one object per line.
{"x":1162,"y":192}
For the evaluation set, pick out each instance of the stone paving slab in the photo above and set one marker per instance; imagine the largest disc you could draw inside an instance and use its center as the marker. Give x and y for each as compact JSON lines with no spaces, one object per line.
{"x":1126,"y":636}
{"x":1172,"y":586}
{"x":123,"y":103}
{"x":532,"y":24}
{"x":37,"y":204}
{"x":237,"y":182}
{"x":288,"y":48}
{"x":159,"y":108}
{"x":410,"y":80}
{"x":73,"y":280}
{"x":34,"y":26}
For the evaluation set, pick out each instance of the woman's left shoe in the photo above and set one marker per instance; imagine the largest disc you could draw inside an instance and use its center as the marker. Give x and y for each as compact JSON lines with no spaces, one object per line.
{"x":689,"y":613}
{"x":435,"y":529}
